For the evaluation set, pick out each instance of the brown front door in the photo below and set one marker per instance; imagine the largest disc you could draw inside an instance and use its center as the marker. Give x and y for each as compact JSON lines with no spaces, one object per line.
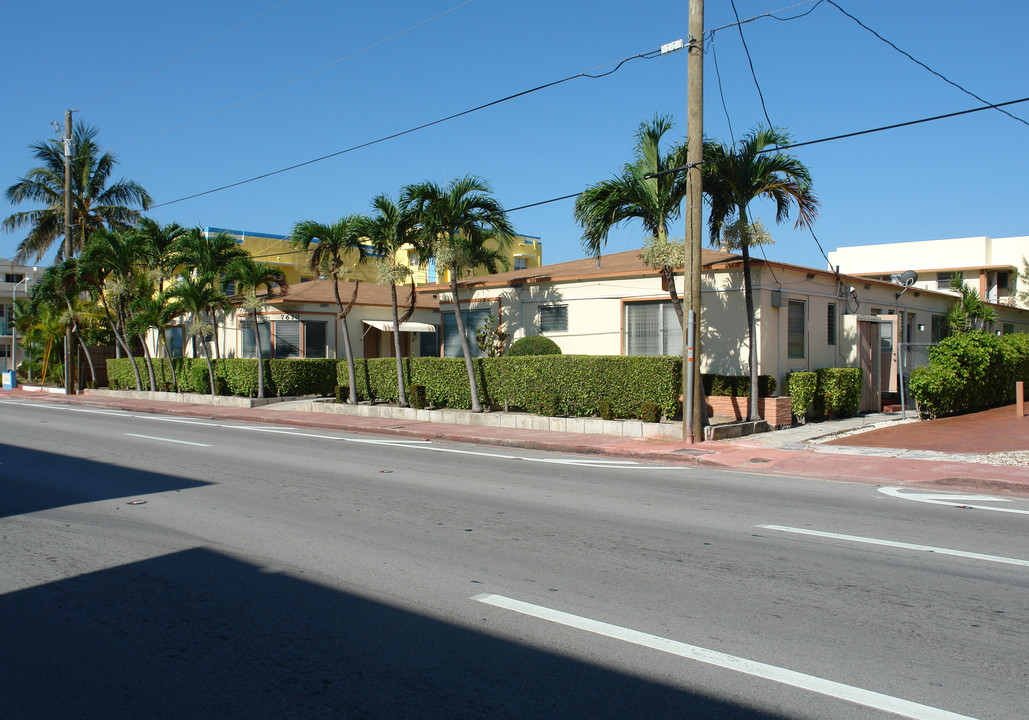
{"x":869,"y":361}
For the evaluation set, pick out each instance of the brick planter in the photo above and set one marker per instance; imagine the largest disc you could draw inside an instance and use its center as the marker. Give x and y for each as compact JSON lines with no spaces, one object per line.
{"x":776,"y":411}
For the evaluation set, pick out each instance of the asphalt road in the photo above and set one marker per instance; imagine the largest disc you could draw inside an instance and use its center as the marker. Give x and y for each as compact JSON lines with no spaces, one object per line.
{"x":276,"y":572}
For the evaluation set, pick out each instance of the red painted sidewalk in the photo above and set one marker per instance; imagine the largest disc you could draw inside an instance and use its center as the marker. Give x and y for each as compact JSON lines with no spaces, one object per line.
{"x":852,"y":459}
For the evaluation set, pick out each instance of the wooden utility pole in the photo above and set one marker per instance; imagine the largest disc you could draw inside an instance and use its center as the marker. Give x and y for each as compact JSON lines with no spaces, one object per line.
{"x":69,"y":338}
{"x":692,"y":389}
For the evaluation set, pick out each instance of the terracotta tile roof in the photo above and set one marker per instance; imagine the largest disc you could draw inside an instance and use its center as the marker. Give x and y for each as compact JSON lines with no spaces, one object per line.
{"x":622,"y":264}
{"x":368,"y":294}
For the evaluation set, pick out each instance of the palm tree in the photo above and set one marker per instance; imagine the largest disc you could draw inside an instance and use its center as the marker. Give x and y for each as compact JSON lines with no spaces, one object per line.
{"x":196,"y":292}
{"x":638,"y":194}
{"x":164,"y":245}
{"x":207,"y":256}
{"x":736,"y":175}
{"x":250,"y":276}
{"x":390,"y":229}
{"x":96,"y":202}
{"x":464,"y":227}
{"x":156,"y":311}
{"x":970,"y":312}
{"x":330,"y":248}
{"x":60,"y":287}
{"x":114,"y":264}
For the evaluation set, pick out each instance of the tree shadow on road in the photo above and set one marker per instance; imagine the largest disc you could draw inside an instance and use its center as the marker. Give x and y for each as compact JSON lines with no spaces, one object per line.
{"x":198,"y":634}
{"x":33,"y":480}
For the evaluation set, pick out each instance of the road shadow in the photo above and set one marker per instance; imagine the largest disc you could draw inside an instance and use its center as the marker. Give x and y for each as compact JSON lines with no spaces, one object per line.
{"x":32,"y":480}
{"x":198,"y":634}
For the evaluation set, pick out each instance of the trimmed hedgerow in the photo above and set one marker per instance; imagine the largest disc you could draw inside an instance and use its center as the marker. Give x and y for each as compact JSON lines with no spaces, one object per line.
{"x":801,"y":386}
{"x":579,"y":381}
{"x":969,"y":372}
{"x":304,"y":377}
{"x":737,"y":385}
{"x":839,"y":392}
{"x":825,"y":393}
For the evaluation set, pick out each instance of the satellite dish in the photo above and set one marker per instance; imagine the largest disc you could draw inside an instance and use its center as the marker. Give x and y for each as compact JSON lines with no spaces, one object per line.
{"x":908,"y":278}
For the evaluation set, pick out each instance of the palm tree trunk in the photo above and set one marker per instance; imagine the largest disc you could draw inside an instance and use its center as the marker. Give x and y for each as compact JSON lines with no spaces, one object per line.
{"x":260,"y":359}
{"x":465,"y":347}
{"x":348,"y":351}
{"x":120,"y":341}
{"x":401,"y":386}
{"x":89,"y":357}
{"x":149,"y":364}
{"x":171,"y":360}
{"x":669,"y":276}
{"x":214,"y":333}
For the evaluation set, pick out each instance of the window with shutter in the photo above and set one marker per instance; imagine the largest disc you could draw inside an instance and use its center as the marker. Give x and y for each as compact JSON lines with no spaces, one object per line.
{"x":795,"y":330}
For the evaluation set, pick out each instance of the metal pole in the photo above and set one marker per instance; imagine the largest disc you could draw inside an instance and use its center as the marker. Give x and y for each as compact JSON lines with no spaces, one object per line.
{"x":687,"y":369}
{"x":900,"y":366}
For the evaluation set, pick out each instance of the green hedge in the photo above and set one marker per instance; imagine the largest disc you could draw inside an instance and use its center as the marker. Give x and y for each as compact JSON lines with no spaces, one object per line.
{"x":737,"y":385}
{"x":562,"y":384}
{"x":578,"y":382}
{"x":825,"y":393}
{"x":969,"y":372}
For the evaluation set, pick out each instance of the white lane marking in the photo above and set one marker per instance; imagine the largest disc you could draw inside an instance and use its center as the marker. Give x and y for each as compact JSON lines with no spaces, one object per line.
{"x":868,"y":698}
{"x":896,"y":544}
{"x":179,"y":442}
{"x":600,"y":463}
{"x":960,"y":501}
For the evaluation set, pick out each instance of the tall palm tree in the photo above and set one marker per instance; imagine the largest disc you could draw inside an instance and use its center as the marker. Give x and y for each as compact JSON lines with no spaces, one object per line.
{"x":638,"y":194}
{"x":390,"y":229}
{"x":333,"y":249}
{"x":164,"y":245}
{"x":734,"y":176}
{"x":156,"y":311}
{"x":96,"y":201}
{"x":60,"y":288}
{"x":115,"y":264}
{"x":250,"y":276}
{"x":207,"y":256}
{"x":196,"y":292}
{"x":465,"y":227}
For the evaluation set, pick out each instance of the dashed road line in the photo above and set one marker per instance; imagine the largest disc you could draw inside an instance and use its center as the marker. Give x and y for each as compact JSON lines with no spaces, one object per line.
{"x":897,"y":544}
{"x":859,"y":696}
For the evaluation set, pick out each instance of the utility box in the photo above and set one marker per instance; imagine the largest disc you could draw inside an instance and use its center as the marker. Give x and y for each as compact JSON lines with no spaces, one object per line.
{"x":10,"y":382}
{"x":779,"y":298}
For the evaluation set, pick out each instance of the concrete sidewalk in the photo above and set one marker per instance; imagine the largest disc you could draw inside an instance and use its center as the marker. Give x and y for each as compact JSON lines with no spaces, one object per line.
{"x":873,"y":449}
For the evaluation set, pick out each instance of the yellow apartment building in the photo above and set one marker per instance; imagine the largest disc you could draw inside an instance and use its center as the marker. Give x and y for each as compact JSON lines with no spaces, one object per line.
{"x":525,"y":253}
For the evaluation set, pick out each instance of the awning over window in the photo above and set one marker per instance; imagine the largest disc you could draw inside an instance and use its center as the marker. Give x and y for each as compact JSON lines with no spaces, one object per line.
{"x":387,"y":326}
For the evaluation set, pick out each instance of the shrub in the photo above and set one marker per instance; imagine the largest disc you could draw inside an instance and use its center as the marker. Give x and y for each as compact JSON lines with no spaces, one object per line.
{"x":838,"y":393}
{"x":342,"y":393}
{"x":545,"y":403}
{"x":416,"y":395}
{"x":802,"y":387}
{"x":533,"y":345}
{"x":969,"y":372}
{"x":304,"y":377}
{"x":649,"y":412}
{"x":605,"y":410}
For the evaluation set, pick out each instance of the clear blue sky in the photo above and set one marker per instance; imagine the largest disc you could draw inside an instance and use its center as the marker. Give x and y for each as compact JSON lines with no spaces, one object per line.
{"x":821,"y":75}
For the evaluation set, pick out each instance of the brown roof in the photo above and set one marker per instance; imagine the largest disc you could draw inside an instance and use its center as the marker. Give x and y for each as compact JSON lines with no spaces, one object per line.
{"x":368,"y":293}
{"x":622,"y":264}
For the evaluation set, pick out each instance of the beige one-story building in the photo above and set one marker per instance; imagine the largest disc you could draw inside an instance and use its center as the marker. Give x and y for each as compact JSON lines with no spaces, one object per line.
{"x":303,"y":323}
{"x":806,"y":318}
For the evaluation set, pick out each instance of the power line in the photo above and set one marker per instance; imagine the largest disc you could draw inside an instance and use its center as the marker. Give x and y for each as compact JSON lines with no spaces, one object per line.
{"x":647,"y":56}
{"x":297,"y":78}
{"x":856,"y":133}
{"x":922,"y":64}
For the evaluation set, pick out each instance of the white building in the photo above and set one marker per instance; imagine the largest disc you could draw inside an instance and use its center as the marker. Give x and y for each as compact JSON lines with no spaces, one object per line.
{"x":15,"y":281}
{"x":990,"y":265}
